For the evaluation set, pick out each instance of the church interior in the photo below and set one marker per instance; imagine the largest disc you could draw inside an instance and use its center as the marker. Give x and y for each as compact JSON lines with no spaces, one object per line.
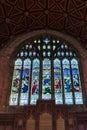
{"x":43,"y":64}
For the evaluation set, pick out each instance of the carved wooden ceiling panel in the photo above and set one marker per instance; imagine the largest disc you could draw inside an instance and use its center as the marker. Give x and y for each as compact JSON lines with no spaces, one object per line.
{"x":20,"y":16}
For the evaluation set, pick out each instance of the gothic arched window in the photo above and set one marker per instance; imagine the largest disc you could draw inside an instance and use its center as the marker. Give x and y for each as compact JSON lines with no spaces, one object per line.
{"x":46,"y":69}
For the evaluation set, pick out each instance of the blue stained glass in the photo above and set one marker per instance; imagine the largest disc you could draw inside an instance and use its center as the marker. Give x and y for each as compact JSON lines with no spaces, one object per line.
{"x":56,"y":74}
{"x":66,"y":71}
{"x":46,"y":40}
{"x":75,"y":71}
{"x":62,"y":53}
{"x":62,"y":46}
{"x":56,"y":67}
{"x":25,"y":80}
{"x":25,"y":72}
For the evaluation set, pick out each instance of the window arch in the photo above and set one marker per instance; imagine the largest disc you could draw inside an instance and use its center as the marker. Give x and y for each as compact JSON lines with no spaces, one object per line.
{"x":46,"y":68}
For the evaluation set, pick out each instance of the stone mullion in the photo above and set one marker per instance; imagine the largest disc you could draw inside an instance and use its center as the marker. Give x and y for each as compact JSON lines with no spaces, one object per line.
{"x":40,"y":79}
{"x":52,"y":78}
{"x":29,"y":98}
{"x":63,"y":93}
{"x":71,"y":77}
{"x":20,"y":84}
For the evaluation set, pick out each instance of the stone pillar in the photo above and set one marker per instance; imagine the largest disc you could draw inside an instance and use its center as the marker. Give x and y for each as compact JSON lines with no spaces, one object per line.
{"x":84,"y":75}
{"x":4,"y":79}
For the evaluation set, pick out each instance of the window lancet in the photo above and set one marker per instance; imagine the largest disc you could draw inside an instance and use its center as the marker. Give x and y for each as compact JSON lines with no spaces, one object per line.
{"x":46,"y":68}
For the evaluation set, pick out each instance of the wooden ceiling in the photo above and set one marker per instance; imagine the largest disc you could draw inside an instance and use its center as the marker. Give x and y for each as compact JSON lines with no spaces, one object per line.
{"x":21,"y":16}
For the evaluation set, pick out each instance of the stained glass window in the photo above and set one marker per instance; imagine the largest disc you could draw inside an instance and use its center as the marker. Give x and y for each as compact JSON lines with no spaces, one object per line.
{"x":46,"y":68}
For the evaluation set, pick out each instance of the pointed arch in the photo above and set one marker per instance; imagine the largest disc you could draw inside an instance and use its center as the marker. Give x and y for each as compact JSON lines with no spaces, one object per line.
{"x":48,"y":68}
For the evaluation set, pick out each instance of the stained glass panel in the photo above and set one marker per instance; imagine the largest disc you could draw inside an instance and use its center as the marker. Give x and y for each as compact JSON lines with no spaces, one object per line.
{"x":16,"y":82}
{"x":67,"y":82}
{"x":46,"y":79}
{"x":35,"y":81}
{"x":76,"y":82}
{"x":25,"y":82}
{"x":57,"y":82}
